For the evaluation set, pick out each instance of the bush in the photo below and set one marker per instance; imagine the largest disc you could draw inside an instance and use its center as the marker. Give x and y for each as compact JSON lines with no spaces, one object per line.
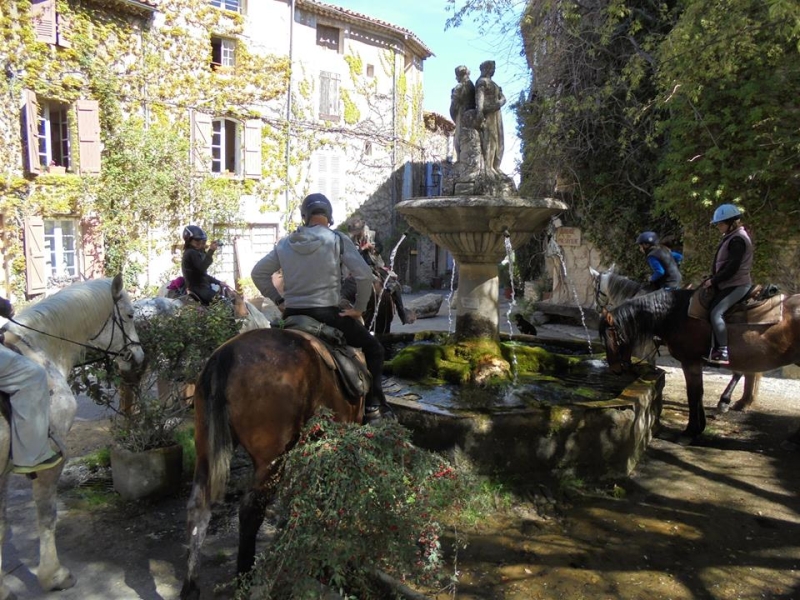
{"x":353,"y":500}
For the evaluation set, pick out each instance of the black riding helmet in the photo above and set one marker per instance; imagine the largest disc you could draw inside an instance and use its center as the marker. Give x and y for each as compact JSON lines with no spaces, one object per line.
{"x":316,"y":204}
{"x":193,"y":232}
{"x":649,"y":238}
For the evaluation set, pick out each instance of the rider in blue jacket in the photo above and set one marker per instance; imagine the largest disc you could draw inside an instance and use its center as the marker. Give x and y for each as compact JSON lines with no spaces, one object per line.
{"x":663,"y":262}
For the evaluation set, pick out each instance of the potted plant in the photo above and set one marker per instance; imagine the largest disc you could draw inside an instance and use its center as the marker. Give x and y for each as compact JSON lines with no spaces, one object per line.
{"x":146,"y":459}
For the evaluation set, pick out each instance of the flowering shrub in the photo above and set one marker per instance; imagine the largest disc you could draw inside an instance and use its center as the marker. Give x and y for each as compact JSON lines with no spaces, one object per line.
{"x":352,"y":501}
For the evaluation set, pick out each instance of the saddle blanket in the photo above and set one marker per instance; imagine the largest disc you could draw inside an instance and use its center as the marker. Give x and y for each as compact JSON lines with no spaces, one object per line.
{"x":751,"y":312}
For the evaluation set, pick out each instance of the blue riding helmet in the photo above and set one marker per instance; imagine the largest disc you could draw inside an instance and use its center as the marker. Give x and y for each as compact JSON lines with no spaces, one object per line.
{"x":314,"y":204}
{"x":725,"y":212}
{"x":648,"y":237}
{"x":193,"y":232}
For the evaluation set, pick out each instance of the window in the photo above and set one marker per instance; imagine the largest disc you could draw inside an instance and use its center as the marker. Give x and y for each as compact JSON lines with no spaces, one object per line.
{"x":329,"y":96}
{"x":222,"y":145}
{"x":47,"y":126}
{"x":233,"y":5}
{"x":223,"y":53}
{"x":49,"y":25}
{"x":367,"y":148}
{"x":53,"y":129}
{"x":61,"y":257}
{"x":328,"y":37}
{"x":244,"y":247}
{"x":370,"y":71}
{"x":225,"y":146}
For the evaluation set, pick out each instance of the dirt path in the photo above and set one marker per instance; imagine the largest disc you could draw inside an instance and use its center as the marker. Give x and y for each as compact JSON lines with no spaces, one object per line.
{"x":717,"y":521}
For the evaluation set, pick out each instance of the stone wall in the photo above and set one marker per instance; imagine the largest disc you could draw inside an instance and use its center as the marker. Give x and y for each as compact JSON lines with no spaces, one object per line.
{"x":573,"y":255}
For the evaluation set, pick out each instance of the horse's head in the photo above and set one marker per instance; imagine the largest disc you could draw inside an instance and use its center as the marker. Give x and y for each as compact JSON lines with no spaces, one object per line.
{"x":618,"y":350}
{"x":118,"y":335}
{"x":602,"y":298}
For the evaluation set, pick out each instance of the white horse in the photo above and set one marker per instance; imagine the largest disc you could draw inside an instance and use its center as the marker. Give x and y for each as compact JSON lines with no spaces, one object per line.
{"x":56,"y":333}
{"x":612,"y":289}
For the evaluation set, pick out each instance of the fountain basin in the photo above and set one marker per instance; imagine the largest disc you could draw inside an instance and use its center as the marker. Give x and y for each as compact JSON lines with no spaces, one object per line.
{"x":541,"y":438}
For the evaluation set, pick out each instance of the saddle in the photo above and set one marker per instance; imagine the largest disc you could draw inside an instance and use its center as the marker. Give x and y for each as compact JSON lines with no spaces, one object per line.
{"x":330,"y":344}
{"x":762,"y":305}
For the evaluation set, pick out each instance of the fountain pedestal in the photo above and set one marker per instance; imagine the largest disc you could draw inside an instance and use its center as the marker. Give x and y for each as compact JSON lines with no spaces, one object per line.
{"x":475,"y":229}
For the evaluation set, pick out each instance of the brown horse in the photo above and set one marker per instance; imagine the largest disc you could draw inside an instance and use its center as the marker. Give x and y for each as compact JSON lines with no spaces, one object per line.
{"x":753,"y":348}
{"x":258,"y":390}
{"x":612,"y":289}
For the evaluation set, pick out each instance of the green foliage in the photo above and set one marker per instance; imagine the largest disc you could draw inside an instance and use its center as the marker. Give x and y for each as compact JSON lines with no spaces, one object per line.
{"x":352,"y":500}
{"x":176,"y":348}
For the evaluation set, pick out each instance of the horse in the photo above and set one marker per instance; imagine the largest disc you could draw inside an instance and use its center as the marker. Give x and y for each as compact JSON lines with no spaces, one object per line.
{"x":612,"y":289}
{"x":56,"y":332}
{"x":383,"y":296}
{"x":258,"y":389}
{"x":252,"y":317}
{"x":754,"y":348}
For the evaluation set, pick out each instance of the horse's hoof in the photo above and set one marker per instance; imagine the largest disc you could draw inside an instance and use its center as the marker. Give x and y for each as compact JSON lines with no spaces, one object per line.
{"x":723,"y":407}
{"x":62,"y":579}
{"x":686,"y":439}
{"x":740,"y":406}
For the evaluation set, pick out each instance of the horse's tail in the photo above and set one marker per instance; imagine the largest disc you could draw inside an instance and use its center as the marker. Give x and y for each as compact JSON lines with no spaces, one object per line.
{"x":214,"y":444}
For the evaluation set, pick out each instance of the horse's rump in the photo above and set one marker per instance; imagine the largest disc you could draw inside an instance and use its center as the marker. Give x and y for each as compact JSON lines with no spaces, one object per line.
{"x":759,"y":307}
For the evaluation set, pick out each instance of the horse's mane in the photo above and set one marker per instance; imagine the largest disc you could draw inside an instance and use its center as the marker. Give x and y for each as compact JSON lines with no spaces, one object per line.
{"x":75,"y":313}
{"x":620,"y":288}
{"x":641,"y":318}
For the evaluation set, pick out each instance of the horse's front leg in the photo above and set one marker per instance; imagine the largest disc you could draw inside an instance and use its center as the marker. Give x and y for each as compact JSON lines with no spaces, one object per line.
{"x":750,"y":393}
{"x":51,"y":575}
{"x":5,"y":593}
{"x":724,"y":403}
{"x":693,"y":375}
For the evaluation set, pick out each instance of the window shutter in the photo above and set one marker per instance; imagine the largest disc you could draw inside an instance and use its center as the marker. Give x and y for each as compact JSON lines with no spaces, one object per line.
{"x":31,"y":117}
{"x":333,"y":177}
{"x":89,"y":135}
{"x":252,"y":148}
{"x":34,"y":256}
{"x":62,"y":31}
{"x":43,"y":15}
{"x":201,"y":142}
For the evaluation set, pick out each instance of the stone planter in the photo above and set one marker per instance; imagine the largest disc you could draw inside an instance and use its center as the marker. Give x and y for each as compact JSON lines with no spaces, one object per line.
{"x":151,"y":473}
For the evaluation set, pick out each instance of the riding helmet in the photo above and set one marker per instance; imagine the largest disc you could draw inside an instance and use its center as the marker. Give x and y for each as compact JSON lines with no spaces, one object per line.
{"x":725,"y":212}
{"x":649,"y":238}
{"x":193,"y":232}
{"x":316,"y":204}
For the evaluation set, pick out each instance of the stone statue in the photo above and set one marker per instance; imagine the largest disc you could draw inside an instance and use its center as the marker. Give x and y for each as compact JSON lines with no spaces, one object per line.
{"x":478,"y":137}
{"x":489,"y":100}
{"x":462,"y":99}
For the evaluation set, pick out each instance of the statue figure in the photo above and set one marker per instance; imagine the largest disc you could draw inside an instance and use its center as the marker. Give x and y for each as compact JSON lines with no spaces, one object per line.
{"x":489,"y":99}
{"x":462,"y":99}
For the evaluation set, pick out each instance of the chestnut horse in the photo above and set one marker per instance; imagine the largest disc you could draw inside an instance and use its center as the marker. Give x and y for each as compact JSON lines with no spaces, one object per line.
{"x":258,"y":389}
{"x":612,"y":289}
{"x":753,"y":348}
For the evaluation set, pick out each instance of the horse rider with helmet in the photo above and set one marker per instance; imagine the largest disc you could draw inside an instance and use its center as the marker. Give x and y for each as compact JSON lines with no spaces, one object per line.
{"x":311,"y":259}
{"x":730,"y":275}
{"x":25,"y":382}
{"x":195,"y":262}
{"x":664,"y":263}
{"x":370,"y":247}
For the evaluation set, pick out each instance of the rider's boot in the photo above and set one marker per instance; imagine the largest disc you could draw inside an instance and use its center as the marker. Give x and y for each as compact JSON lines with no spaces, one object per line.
{"x":719,"y":356}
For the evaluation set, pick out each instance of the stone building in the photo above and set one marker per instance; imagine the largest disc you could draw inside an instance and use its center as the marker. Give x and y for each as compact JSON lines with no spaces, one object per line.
{"x":277,"y":99}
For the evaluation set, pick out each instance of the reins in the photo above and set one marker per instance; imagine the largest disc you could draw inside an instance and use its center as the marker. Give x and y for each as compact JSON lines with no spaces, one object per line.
{"x":125,"y":352}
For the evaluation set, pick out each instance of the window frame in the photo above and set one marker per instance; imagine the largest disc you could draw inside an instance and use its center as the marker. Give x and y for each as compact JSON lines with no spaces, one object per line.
{"x":223,"y":5}
{"x":227,"y":48}
{"x":47,"y":127}
{"x":330,"y":86}
{"x":220,"y":138}
{"x":56,"y":251}
{"x":329,"y":37}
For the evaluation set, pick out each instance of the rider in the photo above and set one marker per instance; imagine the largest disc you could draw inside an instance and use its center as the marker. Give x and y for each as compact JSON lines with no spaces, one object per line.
{"x":195,"y":262}
{"x":311,"y":259}
{"x":666,"y":274}
{"x":730,"y":275}
{"x":371,"y":248}
{"x":25,"y":382}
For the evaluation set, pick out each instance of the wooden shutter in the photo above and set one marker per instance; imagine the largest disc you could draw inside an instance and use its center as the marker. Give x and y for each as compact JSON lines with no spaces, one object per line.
{"x":201,"y":142}
{"x":34,"y":256}
{"x":43,"y":15}
{"x":31,"y":118}
{"x":334,"y":177}
{"x":89,"y":135}
{"x":63,"y":31}
{"x":252,"y":148}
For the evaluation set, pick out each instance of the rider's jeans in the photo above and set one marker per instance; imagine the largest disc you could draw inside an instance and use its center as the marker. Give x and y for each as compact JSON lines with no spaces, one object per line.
{"x":719,"y":307}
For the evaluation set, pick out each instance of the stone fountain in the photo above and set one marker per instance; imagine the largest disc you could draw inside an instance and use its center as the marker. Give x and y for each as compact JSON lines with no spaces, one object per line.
{"x":478,"y":216}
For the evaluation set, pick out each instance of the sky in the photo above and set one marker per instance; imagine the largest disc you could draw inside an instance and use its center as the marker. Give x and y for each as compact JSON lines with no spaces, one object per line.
{"x":456,"y":46}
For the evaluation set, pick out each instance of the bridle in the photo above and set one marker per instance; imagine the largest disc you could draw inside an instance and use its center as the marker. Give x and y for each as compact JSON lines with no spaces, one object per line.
{"x":601,"y":299}
{"x":116,"y":319}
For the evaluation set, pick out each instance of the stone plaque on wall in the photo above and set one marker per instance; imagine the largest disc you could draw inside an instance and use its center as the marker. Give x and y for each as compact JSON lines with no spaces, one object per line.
{"x":568,"y":236}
